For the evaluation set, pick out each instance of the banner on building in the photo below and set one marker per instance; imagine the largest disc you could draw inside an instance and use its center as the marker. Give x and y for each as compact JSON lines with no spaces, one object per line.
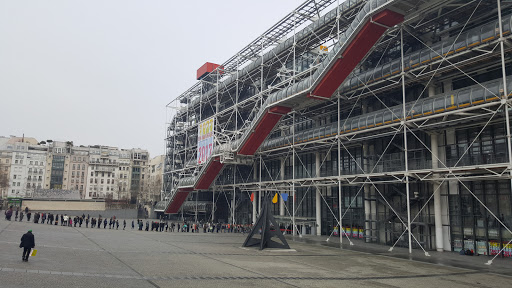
{"x":205,"y":140}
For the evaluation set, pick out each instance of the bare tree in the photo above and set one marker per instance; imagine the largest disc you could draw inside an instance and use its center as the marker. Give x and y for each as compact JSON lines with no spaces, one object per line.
{"x":153,"y":189}
{"x":4,"y":184}
{"x":108,"y":200}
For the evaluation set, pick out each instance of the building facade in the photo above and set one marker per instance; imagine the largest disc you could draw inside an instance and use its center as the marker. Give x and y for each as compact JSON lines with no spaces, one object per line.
{"x":93,"y":172}
{"x":23,"y":164}
{"x":57,"y":165}
{"x":5,"y":173}
{"x":103,"y":163}
{"x":124,"y":178}
{"x":362,"y":120}
{"x":78,"y":172}
{"x":156,"y":173}
{"x":139,"y":166}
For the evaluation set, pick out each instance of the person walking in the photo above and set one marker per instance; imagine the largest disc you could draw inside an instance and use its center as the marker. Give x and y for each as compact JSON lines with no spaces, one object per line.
{"x":124,"y":224}
{"x":16,"y":215}
{"x":86,"y":222}
{"x":105,"y":223}
{"x":27,"y":243}
{"x":8,"y":214}
{"x":133,"y":224}
{"x":117,"y":224}
{"x":21,"y":216}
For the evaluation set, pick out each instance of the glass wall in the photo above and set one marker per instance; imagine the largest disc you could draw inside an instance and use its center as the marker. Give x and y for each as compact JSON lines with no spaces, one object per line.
{"x":474,"y":227}
{"x":56,"y":177}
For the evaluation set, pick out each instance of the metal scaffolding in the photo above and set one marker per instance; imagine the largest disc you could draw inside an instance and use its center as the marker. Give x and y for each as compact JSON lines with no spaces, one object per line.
{"x":406,"y":79}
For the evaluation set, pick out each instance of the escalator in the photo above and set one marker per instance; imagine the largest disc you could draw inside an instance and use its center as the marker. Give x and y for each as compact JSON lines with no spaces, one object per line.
{"x":364,"y":32}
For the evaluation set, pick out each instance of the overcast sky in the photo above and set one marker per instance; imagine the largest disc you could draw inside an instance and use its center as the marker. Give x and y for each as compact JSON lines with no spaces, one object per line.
{"x":101,"y":72}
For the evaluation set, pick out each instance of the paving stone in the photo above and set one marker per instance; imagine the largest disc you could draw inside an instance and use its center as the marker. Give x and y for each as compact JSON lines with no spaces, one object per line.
{"x":115,"y":258}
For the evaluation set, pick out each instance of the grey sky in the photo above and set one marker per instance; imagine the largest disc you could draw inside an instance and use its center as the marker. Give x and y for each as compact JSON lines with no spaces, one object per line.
{"x":101,"y":72}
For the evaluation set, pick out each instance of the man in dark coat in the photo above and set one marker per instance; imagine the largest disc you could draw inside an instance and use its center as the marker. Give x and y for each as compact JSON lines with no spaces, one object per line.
{"x":27,"y":243}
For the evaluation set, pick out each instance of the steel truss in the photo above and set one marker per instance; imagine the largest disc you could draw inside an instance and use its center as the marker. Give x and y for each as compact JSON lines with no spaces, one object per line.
{"x":233,"y":112}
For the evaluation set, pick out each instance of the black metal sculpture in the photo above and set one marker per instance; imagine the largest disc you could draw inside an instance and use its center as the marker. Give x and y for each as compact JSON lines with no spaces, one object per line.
{"x":267,"y":227}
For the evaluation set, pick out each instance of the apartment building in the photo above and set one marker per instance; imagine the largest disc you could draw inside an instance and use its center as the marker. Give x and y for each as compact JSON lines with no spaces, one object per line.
{"x":156,"y":169}
{"x":139,"y":166}
{"x":95,"y":172}
{"x":79,"y":168}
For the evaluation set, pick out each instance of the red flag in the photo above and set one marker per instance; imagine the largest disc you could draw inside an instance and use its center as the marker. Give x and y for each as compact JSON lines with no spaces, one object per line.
{"x":252,"y":196}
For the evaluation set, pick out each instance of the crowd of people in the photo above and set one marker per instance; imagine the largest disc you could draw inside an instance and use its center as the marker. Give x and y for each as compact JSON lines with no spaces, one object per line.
{"x":184,"y":226}
{"x":114,"y":223}
{"x":63,"y":219}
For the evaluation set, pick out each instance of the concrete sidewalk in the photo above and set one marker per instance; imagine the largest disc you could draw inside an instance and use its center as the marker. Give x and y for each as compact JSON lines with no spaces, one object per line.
{"x":85,"y":257}
{"x":499,"y":265}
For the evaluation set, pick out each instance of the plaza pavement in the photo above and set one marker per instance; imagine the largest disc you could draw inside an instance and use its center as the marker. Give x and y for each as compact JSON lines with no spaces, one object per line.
{"x":85,"y":257}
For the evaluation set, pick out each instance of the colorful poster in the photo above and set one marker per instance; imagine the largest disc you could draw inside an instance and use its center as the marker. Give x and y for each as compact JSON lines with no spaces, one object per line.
{"x":494,"y":248}
{"x":205,"y":137}
{"x":507,"y":249}
{"x":361,"y":233}
{"x":335,"y":232}
{"x":481,"y":247}
{"x":355,"y":232}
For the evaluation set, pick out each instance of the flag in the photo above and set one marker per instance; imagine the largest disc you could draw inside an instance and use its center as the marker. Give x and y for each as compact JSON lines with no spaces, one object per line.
{"x":284,"y":196}
{"x":252,"y":197}
{"x":274,"y":200}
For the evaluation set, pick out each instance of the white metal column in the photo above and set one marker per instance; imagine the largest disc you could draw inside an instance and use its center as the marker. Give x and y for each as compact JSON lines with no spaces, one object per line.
{"x":281,"y":201}
{"x":294,"y":229}
{"x":436,"y":189}
{"x":404,"y":126}
{"x":255,"y":199}
{"x":318,"y":200}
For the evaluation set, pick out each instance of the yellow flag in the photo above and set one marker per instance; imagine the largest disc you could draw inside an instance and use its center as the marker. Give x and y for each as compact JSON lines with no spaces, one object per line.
{"x":274,"y":200}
